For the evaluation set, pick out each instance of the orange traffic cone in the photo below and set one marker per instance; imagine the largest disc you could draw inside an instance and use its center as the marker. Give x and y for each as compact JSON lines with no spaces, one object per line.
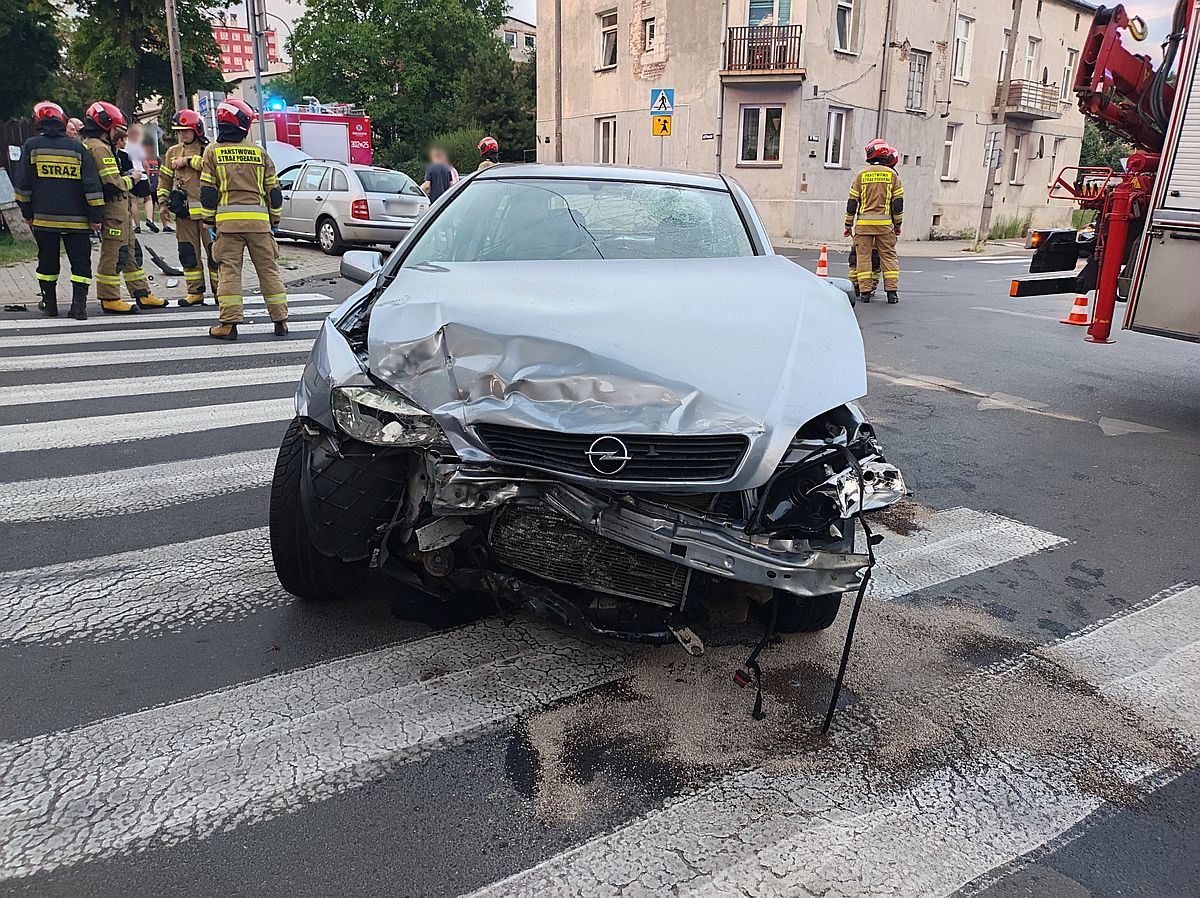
{"x":823,"y":263}
{"x":1079,"y":311}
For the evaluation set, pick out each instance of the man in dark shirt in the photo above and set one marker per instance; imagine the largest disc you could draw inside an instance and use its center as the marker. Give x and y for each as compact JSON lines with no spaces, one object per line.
{"x":438,"y":174}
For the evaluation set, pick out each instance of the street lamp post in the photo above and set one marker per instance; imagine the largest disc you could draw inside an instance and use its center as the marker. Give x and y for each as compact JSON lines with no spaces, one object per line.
{"x":256,"y":36}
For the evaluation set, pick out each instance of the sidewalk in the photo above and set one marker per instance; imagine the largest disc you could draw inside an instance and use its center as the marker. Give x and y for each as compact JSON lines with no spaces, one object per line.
{"x":910,"y":248}
{"x":296,"y":260}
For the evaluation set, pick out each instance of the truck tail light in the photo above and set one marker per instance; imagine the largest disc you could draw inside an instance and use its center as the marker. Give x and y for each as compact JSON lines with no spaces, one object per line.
{"x":358,"y":209}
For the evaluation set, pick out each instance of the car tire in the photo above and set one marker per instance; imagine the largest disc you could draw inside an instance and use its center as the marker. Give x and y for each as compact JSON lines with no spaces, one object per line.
{"x":800,"y":615}
{"x":329,"y":238}
{"x":302,"y":570}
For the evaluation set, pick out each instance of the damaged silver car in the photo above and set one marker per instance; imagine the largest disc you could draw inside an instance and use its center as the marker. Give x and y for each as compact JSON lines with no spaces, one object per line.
{"x":592,"y":392}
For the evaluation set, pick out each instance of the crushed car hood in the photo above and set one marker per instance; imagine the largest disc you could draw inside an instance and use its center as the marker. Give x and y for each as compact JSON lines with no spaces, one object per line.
{"x":752,"y":345}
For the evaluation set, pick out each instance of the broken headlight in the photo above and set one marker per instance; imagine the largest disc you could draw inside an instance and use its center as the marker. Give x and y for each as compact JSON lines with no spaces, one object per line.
{"x":383,"y":418}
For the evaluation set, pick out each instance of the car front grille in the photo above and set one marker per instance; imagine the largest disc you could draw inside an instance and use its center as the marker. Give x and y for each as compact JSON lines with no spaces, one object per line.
{"x":535,"y":539}
{"x":652,"y":458}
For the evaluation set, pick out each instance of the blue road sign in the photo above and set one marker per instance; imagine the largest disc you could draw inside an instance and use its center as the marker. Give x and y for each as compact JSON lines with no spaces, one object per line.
{"x":662,"y":101}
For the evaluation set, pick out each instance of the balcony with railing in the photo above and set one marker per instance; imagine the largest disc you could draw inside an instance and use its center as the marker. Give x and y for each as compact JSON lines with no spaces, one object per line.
{"x":1029,"y":100}
{"x":764,"y":52}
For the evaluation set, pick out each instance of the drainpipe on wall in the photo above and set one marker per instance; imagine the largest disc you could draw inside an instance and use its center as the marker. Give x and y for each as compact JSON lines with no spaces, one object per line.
{"x":885,"y":71}
{"x":721,"y":81}
{"x":558,"y":82}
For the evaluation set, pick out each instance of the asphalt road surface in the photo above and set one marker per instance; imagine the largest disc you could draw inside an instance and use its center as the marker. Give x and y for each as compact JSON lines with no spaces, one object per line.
{"x":1021,"y":713}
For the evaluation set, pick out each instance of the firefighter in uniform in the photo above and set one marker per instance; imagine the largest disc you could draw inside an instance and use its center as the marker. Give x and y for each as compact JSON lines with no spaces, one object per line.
{"x":242,"y":204}
{"x":489,"y":151}
{"x":179,"y":193}
{"x":103,"y":125}
{"x":892,"y":160}
{"x":132,"y":262}
{"x":58,"y":191}
{"x":875,"y":214}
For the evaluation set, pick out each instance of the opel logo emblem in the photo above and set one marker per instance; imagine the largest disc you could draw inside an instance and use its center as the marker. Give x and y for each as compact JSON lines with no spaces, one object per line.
{"x":608,"y":456}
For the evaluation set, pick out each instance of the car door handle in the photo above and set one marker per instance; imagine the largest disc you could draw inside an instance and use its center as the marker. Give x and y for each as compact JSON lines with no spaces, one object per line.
{"x":320,"y":197}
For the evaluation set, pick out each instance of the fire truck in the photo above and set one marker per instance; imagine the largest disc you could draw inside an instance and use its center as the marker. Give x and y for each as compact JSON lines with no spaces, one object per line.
{"x":334,"y":131}
{"x":1144,"y":248}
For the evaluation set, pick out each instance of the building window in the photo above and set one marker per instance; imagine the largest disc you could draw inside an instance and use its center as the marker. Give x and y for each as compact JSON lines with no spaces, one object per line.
{"x":1068,"y":81}
{"x":762,"y":133}
{"x":835,"y":138}
{"x":1031,"y":49}
{"x":606,"y":140}
{"x":510,"y":38}
{"x":844,"y":26}
{"x":962,"y":48}
{"x":608,"y":40}
{"x":949,"y":160}
{"x":530,"y":41}
{"x":1003,"y":58}
{"x":918,"y":65}
{"x":1014,"y":170}
{"x":769,"y":12}
{"x":648,"y":30}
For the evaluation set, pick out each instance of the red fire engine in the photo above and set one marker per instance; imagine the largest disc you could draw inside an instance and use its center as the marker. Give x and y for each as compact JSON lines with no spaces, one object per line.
{"x":324,"y":131}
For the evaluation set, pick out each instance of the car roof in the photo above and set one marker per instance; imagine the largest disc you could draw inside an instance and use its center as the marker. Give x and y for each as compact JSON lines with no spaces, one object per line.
{"x":709,"y":180}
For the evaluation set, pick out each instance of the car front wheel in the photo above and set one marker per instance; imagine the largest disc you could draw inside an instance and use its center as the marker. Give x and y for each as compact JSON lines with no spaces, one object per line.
{"x":329,"y":237}
{"x":800,"y":615}
{"x":302,"y":569}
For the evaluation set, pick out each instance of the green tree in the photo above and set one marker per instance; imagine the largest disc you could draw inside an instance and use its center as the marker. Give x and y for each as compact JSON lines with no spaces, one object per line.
{"x":1101,"y":148}
{"x":501,"y":98}
{"x":28,"y":33}
{"x":122,"y":46}
{"x":400,"y":59}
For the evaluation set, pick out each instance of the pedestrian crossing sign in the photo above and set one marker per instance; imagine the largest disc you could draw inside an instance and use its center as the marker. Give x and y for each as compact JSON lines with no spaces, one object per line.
{"x":661,"y":126}
{"x":662,"y":100}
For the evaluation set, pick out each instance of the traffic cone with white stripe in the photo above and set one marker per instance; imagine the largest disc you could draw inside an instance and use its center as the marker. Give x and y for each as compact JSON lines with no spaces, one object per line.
{"x":823,"y":263}
{"x":1079,"y":311}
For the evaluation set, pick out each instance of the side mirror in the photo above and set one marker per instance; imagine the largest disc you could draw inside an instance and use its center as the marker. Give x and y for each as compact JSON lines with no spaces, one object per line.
{"x":360,"y":265}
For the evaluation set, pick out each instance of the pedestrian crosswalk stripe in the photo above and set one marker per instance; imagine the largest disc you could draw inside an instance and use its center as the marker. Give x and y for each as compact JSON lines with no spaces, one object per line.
{"x":107,"y":357}
{"x":152,"y":385}
{"x":249,"y":753}
{"x":105,"y":429}
{"x":112,"y":335}
{"x":132,"y":490}
{"x":847,"y":829}
{"x":302,"y":304}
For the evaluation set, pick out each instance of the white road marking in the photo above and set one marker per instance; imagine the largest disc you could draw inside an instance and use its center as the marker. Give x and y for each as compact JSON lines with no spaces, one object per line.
{"x":112,"y":335}
{"x":249,"y":753}
{"x":1013,"y":312}
{"x":984,"y":260}
{"x":954,"y":543}
{"x":1115,"y":427}
{"x":301,"y":304}
{"x":144,"y":592}
{"x":851,"y":833}
{"x":136,"y":489}
{"x":214,"y":349}
{"x":106,"y":429}
{"x":153,"y":385}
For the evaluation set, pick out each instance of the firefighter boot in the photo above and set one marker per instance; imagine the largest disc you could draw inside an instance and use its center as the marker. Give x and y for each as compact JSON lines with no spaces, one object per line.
{"x":117,"y":307}
{"x":281,"y":329}
{"x":866,"y":297}
{"x":79,"y":302}
{"x":150,"y":301}
{"x":48,"y":305}
{"x":224,"y":331}
{"x":893,"y":296}
{"x":192,"y":299}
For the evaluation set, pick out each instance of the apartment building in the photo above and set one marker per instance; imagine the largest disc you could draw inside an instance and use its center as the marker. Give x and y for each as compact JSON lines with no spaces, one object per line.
{"x":783,"y":94}
{"x":519,"y":36}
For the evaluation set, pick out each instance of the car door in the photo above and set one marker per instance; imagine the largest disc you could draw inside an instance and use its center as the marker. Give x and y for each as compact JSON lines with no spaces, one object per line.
{"x":287,"y":184}
{"x":307,"y":196}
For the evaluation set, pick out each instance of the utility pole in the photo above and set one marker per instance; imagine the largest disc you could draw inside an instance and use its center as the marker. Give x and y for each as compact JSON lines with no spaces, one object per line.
{"x":177,"y":87}
{"x":558,"y":82}
{"x":885,"y":72}
{"x":999,"y":117}
{"x":256,"y":20}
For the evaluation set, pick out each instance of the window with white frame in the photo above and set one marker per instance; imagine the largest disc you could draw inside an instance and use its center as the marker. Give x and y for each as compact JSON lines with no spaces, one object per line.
{"x":835,"y":137}
{"x":649,"y":30}
{"x":530,"y":41}
{"x":1031,"y":52}
{"x":606,"y":140}
{"x":1003,"y":57}
{"x":963,"y":31}
{"x":1014,"y":169}
{"x":769,"y":12}
{"x":510,"y":38}
{"x":843,"y":33}
{"x":762,"y":135}
{"x":608,"y":40}
{"x":918,"y":67}
{"x":1068,"y":76}
{"x":949,"y":155}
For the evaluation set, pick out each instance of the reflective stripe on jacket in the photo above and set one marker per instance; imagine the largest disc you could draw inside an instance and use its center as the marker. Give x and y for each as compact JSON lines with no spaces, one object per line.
{"x":56,"y":184}
{"x":187,"y":178}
